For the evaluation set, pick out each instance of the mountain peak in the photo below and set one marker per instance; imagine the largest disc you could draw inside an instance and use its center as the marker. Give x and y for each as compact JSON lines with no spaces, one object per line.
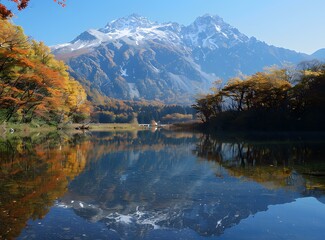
{"x":320,"y":54}
{"x":210,"y":21}
{"x":85,"y":36}
{"x":131,"y":22}
{"x":211,"y":17}
{"x":210,"y":31}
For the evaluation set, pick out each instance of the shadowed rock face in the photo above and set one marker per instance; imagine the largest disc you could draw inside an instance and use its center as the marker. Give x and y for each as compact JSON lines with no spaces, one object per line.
{"x":134,"y":58}
{"x":154,"y":72}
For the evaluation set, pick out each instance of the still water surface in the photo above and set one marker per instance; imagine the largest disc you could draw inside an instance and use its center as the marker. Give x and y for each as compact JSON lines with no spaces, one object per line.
{"x":161,"y":185}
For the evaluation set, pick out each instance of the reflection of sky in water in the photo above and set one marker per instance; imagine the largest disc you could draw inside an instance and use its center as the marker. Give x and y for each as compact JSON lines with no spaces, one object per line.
{"x":168,"y":193}
{"x":302,"y":219}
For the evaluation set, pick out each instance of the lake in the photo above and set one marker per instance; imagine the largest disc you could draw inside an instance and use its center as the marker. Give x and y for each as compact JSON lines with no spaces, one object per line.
{"x":161,"y":185}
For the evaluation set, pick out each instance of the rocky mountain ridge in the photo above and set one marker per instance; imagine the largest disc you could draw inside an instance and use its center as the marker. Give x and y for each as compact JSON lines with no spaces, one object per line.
{"x":135,"y":58}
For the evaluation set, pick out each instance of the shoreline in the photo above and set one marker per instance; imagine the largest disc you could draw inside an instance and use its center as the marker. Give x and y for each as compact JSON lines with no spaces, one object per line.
{"x":24,"y":129}
{"x":21,"y":130}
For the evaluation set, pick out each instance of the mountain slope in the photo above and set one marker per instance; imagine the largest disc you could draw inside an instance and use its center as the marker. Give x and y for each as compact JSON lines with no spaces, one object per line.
{"x":319,"y":54}
{"x":221,"y":49}
{"x":134,"y":58}
{"x":124,"y":71}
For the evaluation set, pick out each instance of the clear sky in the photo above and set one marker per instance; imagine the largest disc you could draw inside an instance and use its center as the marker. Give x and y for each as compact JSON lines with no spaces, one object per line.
{"x":295,"y":24}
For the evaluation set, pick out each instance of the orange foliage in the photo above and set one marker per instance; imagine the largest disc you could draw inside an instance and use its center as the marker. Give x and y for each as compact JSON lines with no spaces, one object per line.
{"x":34,"y":83}
{"x":26,"y":195}
{"x":6,"y":13}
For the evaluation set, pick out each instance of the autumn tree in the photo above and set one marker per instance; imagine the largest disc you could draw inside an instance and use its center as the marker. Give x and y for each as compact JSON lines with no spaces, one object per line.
{"x":238,"y":92}
{"x":208,"y":106}
{"x":34,"y":85}
{"x":262,"y":90}
{"x":14,"y":65}
{"x":6,"y":13}
{"x":307,"y":98}
{"x":273,"y":99}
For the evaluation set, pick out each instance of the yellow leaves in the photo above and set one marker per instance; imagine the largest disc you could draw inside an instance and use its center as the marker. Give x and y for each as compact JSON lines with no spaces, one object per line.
{"x":26,"y":194}
{"x":24,"y":62}
{"x":268,"y":100}
{"x":11,"y":35}
{"x":35,"y":80}
{"x":260,"y":89}
{"x":310,"y":73}
{"x":234,"y":81}
{"x":177,"y":117}
{"x":76,"y":98}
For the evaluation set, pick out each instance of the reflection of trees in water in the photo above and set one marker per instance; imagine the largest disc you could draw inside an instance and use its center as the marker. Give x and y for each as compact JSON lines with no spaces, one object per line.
{"x":275,"y":163}
{"x":34,"y":171}
{"x":120,"y":155}
{"x":157,"y":178}
{"x":154,"y":174}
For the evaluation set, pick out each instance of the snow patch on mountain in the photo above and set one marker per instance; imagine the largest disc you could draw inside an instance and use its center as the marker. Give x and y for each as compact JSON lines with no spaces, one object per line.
{"x":123,"y":72}
{"x":134,"y":92}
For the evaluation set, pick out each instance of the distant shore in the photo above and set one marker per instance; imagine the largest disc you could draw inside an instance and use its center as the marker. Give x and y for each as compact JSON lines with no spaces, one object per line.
{"x":26,"y":129}
{"x":102,"y":126}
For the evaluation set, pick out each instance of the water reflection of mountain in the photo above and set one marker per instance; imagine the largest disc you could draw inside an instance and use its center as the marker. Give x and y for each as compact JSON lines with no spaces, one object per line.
{"x":36,"y":170}
{"x":155,"y":181}
{"x":140,"y":184}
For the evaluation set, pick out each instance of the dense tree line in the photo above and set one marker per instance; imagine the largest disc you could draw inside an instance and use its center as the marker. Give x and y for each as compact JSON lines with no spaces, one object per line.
{"x":110,"y":110}
{"x":141,"y":112}
{"x":277,"y":99}
{"x":33,"y":84}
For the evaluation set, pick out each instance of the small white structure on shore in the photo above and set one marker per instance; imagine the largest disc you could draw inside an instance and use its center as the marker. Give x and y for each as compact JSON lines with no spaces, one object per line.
{"x":153,"y":123}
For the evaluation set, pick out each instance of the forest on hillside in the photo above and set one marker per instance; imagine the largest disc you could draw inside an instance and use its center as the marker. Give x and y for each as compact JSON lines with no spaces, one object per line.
{"x":118,"y":111}
{"x":287,"y":99}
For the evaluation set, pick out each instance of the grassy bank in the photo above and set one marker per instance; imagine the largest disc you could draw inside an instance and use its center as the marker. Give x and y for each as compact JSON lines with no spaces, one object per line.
{"x":104,"y":126}
{"x":26,"y":129}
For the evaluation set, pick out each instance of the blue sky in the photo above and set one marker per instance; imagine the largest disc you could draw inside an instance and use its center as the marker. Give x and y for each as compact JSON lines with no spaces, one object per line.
{"x":293,"y":24}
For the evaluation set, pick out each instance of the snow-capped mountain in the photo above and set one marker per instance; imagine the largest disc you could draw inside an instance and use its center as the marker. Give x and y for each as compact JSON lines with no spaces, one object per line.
{"x":212,"y":32}
{"x":135,"y":58}
{"x":133,"y":29}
